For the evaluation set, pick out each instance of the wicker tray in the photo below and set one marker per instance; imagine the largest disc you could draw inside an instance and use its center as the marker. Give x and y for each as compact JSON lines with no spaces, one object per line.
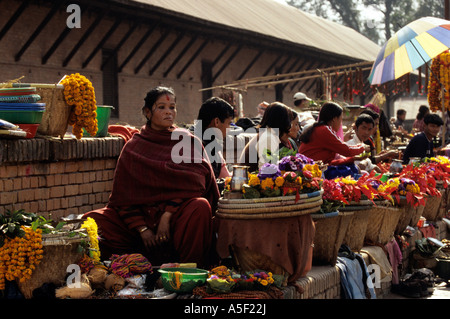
{"x":59,"y":252}
{"x":271,"y":212}
{"x":330,"y":231}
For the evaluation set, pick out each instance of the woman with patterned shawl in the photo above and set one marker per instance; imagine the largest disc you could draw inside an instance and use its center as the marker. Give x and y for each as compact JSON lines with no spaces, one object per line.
{"x":164,"y":192}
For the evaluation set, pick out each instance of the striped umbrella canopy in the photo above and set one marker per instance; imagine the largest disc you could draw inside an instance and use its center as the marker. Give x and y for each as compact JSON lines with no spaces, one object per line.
{"x":411,"y":47}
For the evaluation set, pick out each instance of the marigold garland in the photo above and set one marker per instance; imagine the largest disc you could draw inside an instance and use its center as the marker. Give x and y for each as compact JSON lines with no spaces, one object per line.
{"x":440,"y":75}
{"x":79,"y":93}
{"x":94,"y":250}
{"x":19,"y":256}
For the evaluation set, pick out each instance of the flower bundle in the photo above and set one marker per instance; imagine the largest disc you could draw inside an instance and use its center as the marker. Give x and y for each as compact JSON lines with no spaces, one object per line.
{"x":440,"y":75}
{"x":91,"y":227}
{"x":423,"y":177}
{"x":79,"y":93}
{"x":355,"y":190}
{"x":292,"y":175}
{"x":402,"y":186}
{"x":223,"y":280}
{"x":332,"y":196}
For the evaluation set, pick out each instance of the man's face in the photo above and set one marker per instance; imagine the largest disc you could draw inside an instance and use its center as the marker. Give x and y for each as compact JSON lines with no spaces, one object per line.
{"x":364,"y":131}
{"x":432,"y":129}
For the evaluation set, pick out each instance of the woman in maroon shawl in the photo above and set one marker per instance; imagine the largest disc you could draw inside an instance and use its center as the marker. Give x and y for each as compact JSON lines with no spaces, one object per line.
{"x":164,"y":192}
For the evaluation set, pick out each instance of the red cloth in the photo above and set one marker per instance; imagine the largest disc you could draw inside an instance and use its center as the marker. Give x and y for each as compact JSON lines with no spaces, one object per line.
{"x":147,"y":182}
{"x":325,"y":144}
{"x":125,"y":132}
{"x":287,"y":241}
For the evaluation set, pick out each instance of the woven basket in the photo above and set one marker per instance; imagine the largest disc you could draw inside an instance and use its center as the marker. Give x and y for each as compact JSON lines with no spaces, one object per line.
{"x":383,"y":220}
{"x":270,"y":207}
{"x":330,"y":232}
{"x":432,"y":207}
{"x":55,"y":119}
{"x":59,"y":252}
{"x":249,"y":260}
{"x":356,"y":231}
{"x":409,"y":216}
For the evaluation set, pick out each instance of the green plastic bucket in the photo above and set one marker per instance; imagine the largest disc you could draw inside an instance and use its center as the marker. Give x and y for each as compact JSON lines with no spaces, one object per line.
{"x":103,"y":116}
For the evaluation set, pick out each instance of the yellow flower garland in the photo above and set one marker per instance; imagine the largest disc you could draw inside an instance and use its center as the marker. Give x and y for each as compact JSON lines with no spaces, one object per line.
{"x":91,"y":226}
{"x":79,"y":93}
{"x":19,"y":256}
{"x":440,"y":74}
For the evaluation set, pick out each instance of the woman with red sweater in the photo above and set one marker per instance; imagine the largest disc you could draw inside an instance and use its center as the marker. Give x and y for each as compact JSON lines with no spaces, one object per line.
{"x":320,"y":142}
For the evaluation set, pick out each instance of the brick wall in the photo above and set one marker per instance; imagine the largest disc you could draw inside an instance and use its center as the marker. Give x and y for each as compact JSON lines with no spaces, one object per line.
{"x":56,"y":178}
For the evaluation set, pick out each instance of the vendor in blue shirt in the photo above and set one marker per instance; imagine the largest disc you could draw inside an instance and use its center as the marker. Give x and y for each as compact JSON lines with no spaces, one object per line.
{"x":421,"y":145}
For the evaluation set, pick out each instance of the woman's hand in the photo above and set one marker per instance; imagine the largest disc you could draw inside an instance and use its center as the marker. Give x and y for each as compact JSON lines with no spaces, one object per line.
{"x":148,"y":238}
{"x":163,"y":232}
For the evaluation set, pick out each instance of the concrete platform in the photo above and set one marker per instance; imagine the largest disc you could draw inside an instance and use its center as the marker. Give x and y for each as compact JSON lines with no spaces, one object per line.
{"x":323,"y":282}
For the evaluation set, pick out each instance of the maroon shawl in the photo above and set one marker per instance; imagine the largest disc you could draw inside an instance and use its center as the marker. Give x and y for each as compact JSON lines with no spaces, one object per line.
{"x":146,"y":174}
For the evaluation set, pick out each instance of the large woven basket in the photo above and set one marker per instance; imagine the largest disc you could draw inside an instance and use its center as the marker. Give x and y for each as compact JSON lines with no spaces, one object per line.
{"x":269,"y":207}
{"x":432,"y":207}
{"x":356,"y":231}
{"x":55,"y":119}
{"x":330,"y":231}
{"x":59,"y":252}
{"x":383,"y":220}
{"x":409,"y":215}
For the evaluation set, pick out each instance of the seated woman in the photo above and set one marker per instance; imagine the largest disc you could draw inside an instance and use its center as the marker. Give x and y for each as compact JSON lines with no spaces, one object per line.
{"x":273,"y":130}
{"x":320,"y":142}
{"x":158,"y":206}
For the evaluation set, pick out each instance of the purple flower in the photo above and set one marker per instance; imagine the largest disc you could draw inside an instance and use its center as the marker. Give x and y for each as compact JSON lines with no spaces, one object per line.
{"x":269,"y":171}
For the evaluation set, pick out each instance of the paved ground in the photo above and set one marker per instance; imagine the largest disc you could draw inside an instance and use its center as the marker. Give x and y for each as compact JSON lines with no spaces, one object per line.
{"x":441,"y":291}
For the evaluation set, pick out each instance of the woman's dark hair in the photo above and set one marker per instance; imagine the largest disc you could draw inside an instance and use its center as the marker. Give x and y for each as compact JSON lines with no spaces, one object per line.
{"x":423,"y":110}
{"x":364,"y":118}
{"x":277,"y":115}
{"x":328,"y":112}
{"x":372,"y":113}
{"x":154,"y":94}
{"x":212,"y":108}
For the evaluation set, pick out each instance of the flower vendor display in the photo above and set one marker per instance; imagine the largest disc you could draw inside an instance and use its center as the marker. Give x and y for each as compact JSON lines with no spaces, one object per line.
{"x":223,"y":280}
{"x":20,"y":246}
{"x":292,"y":175}
{"x":79,"y":93}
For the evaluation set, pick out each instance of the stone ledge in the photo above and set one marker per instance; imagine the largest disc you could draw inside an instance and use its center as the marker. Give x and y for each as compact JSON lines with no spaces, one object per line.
{"x":41,"y":149}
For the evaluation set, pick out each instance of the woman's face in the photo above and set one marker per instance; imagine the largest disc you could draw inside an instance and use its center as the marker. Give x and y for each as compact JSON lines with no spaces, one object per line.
{"x":295,"y":128}
{"x":336,"y":122}
{"x":163,"y":112}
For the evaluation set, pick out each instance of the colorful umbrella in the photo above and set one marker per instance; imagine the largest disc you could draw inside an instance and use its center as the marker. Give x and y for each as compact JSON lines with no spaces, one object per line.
{"x":410,"y":48}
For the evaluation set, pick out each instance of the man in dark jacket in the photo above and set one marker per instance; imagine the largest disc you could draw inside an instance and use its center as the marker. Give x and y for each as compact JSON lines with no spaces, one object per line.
{"x":421,"y":145}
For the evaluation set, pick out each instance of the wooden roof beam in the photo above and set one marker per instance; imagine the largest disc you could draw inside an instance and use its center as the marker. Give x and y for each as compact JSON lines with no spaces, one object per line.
{"x":182,"y":53}
{"x":258,"y":55}
{"x":88,"y":33}
{"x":233,"y":55}
{"x":193,"y":57}
{"x":155,"y":46}
{"x":37,"y":31}
{"x":121,"y":42}
{"x":138,"y":45}
{"x":14,"y":18}
{"x":102,"y":42}
{"x":170,"y":49}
